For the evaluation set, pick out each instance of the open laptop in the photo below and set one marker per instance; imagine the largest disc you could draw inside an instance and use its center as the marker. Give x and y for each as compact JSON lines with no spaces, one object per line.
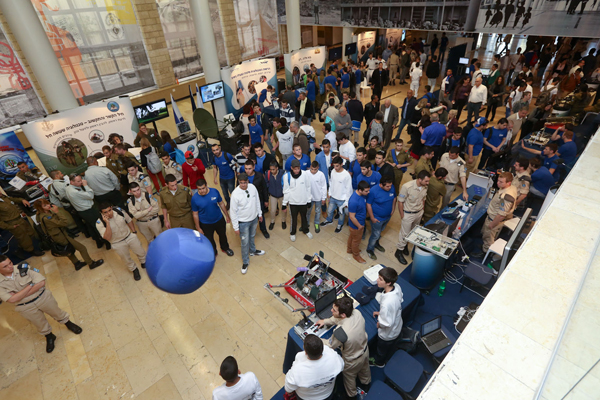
{"x":433,"y":337}
{"x":324,"y":303}
{"x":452,"y":228}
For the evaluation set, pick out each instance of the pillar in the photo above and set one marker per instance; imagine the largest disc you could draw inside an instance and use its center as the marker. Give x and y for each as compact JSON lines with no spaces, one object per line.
{"x":230,"y":31}
{"x":292,"y":18}
{"x":346,"y":39}
{"x":207,"y":45}
{"x":39,"y":54}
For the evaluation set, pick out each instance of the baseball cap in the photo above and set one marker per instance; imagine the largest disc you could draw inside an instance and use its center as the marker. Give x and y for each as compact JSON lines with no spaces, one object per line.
{"x":481,"y":121}
{"x":189,"y":154}
{"x":295,"y":163}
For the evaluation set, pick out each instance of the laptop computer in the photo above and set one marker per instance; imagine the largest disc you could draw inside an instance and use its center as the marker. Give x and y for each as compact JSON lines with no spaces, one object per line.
{"x":324,"y":303}
{"x":433,"y":337}
{"x":452,"y":228}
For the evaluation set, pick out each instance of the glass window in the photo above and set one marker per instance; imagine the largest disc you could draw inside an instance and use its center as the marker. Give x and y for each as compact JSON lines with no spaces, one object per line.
{"x":18,"y":100}
{"x":257,"y":27}
{"x":100,"y":50}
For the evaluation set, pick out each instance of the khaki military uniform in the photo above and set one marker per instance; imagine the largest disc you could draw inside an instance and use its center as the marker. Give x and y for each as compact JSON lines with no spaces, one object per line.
{"x":175,"y":169}
{"x":36,"y":304}
{"x":457,"y":169}
{"x":141,"y":179}
{"x":412,"y":196}
{"x":54,"y":224}
{"x":113,"y":164}
{"x":423,"y":164}
{"x":148,"y":221}
{"x":11,"y":220}
{"x":435,"y":191}
{"x":502,"y":204}
{"x":403,"y":157}
{"x":179,"y":206}
{"x":30,"y":175}
{"x":122,"y":239}
{"x":351,"y":338}
{"x":521,"y":182}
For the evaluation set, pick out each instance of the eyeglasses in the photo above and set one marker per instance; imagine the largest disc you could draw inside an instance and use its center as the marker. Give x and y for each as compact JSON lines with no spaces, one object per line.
{"x":247,"y":194}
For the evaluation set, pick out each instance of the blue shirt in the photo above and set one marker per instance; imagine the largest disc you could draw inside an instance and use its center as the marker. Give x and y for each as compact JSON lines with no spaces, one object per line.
{"x":496,"y":137}
{"x":434,"y":134}
{"x":550,"y":162}
{"x":358,"y":205}
{"x":224,"y":167}
{"x":311,"y":91}
{"x":568,"y":152}
{"x":542,"y":180}
{"x":331,"y":80}
{"x":358,"y":75}
{"x":345,"y":81}
{"x":475,"y":138}
{"x":255,"y":133}
{"x":455,"y":143}
{"x":355,"y":171}
{"x":259,"y":166}
{"x":381,"y":202}
{"x":304,"y":162}
{"x":371,"y":180}
{"x":207,"y":206}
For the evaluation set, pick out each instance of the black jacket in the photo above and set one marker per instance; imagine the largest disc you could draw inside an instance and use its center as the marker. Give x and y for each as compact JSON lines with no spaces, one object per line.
{"x":309,"y":110}
{"x":433,"y":69}
{"x":370,"y":111}
{"x":265,"y":123}
{"x":386,"y":170}
{"x":261,"y":185}
{"x":379,"y":80}
{"x":409,"y":105}
{"x":355,"y":109}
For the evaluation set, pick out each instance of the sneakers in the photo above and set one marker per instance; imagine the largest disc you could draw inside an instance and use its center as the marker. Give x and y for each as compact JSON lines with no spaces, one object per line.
{"x":379,"y":247}
{"x":136,"y":274}
{"x":229,"y":252}
{"x":266,"y":234}
{"x":258,"y":253}
{"x":293,"y":238}
{"x":309,"y":235}
{"x":97,"y":263}
{"x":325,"y":223}
{"x":372,"y":255}
{"x":283,"y":226}
{"x":405,"y":250}
{"x":373,"y":363}
{"x":338,"y":229}
{"x":76,"y":329}
{"x":245,"y":268}
{"x":317,"y":228}
{"x":400,"y":257}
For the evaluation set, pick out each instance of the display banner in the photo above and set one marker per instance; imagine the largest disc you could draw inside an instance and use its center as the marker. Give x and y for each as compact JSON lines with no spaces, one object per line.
{"x":12,"y":152}
{"x":364,"y":45}
{"x":393,"y":37}
{"x":63,"y":141}
{"x":241,"y":80}
{"x":299,"y":61}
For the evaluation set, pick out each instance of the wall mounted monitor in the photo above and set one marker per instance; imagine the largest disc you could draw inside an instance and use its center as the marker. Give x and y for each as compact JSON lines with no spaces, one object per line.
{"x":152,"y":111}
{"x":212,"y":91}
{"x":350,"y":49}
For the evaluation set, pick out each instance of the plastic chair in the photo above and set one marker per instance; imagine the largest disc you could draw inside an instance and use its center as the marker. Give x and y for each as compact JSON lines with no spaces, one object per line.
{"x":479,"y":273}
{"x":356,"y":126}
{"x":403,"y":371}
{"x":512,"y":223}
{"x":380,"y":390}
{"x":497,"y":248}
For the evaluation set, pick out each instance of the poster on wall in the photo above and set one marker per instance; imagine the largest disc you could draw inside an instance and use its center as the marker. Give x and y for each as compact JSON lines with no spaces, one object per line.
{"x":12,"y":153}
{"x":241,"y":80}
{"x":297,"y":62}
{"x":364,"y":45}
{"x":63,"y":141}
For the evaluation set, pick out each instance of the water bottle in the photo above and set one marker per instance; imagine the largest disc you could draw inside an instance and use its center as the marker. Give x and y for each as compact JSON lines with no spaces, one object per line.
{"x":442,"y":288}
{"x":457,"y":233}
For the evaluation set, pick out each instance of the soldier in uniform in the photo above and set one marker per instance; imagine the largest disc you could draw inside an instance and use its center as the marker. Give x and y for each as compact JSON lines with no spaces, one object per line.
{"x":112,"y":161}
{"x":171,"y":167}
{"x":436,"y":190}
{"x":176,"y":203}
{"x":54,"y":221}
{"x":27,"y":289}
{"x":521,"y":181}
{"x":145,"y":210}
{"x":411,"y":202}
{"x":69,"y":153}
{"x":11,"y":220}
{"x":134,"y":175}
{"x":457,"y":170}
{"x":400,"y":160}
{"x":351,"y":338}
{"x":58,"y":197}
{"x":499,"y":210}
{"x":117,"y":227}
{"x":28,"y":174}
{"x":424,"y":163}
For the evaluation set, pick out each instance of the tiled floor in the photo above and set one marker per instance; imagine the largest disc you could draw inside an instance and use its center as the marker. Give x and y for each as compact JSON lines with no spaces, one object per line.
{"x":139,"y":342}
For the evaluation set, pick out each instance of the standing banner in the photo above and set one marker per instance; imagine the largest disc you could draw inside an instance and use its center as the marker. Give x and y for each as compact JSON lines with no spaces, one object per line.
{"x":63,"y":141}
{"x":297,"y":62}
{"x":364,"y":45}
{"x":12,"y":152}
{"x":241,"y":80}
{"x":393,"y":37}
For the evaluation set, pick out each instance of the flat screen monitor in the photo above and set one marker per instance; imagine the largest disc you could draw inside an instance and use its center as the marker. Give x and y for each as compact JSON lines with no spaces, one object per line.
{"x":486,"y":71}
{"x":151,"y":112}
{"x":335,"y":53}
{"x":212,"y":91}
{"x":183,"y":127}
{"x":350,"y":49}
{"x":463,"y":61}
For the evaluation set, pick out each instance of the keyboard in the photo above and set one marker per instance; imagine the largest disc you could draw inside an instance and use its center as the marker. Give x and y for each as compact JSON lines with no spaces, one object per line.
{"x":434,"y":338}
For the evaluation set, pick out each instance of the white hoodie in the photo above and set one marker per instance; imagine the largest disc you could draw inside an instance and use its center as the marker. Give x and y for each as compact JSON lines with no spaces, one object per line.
{"x":390,"y":313}
{"x":340,"y":185}
{"x":296,"y":191}
{"x":318,"y":186}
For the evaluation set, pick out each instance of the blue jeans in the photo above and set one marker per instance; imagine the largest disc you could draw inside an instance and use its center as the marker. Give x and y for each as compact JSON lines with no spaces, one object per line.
{"x":376,"y":229}
{"x":507,"y":112}
{"x":247,"y":233}
{"x":403,"y":123}
{"x":227,"y":187}
{"x":317,"y":206}
{"x":333,"y":204}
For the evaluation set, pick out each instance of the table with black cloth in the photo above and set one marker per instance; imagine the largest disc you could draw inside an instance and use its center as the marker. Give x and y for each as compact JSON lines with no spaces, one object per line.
{"x":410,"y":300}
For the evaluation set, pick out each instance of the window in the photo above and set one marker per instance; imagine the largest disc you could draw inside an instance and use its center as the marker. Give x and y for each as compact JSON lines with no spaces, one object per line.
{"x":18,"y":100}
{"x":257,"y":27}
{"x":100,"y":49}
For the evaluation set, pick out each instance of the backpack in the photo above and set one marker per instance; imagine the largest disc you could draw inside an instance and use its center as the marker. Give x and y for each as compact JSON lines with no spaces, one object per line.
{"x":133,"y":199}
{"x":153,"y":162}
{"x":330,"y":121}
{"x":179,"y":156}
{"x":544,"y":96}
{"x":115,"y":209}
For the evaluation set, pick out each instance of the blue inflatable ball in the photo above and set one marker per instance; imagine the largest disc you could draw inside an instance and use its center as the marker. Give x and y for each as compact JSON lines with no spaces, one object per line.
{"x":180,"y":260}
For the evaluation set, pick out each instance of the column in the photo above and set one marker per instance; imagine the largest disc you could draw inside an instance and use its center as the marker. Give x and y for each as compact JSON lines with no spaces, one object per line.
{"x":39,"y":54}
{"x":207,"y":45}
{"x":346,"y":39}
{"x":292,"y":18}
{"x":230,"y":31}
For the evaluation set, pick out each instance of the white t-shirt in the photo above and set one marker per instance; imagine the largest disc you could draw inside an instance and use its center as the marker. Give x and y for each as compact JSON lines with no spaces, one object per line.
{"x":332,"y":140}
{"x":286,"y":142}
{"x":314,"y":380}
{"x":416,"y":74}
{"x":348,"y":150}
{"x":247,"y":388}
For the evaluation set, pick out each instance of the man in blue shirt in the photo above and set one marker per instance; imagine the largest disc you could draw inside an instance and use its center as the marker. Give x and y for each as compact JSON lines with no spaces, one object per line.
{"x":311,"y":88}
{"x":298,"y":155}
{"x":493,"y":140}
{"x":433,"y":136}
{"x":354,"y":167}
{"x":475,"y":144}
{"x":225,"y":168}
{"x":541,"y":179}
{"x":263,"y":159}
{"x":368,"y":175}
{"x":330,"y":79}
{"x":357,"y":208}
{"x":568,"y":151}
{"x":548,"y":155}
{"x":256,"y":132}
{"x":345,"y":81}
{"x":381,"y":205}
{"x":208,"y":210}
